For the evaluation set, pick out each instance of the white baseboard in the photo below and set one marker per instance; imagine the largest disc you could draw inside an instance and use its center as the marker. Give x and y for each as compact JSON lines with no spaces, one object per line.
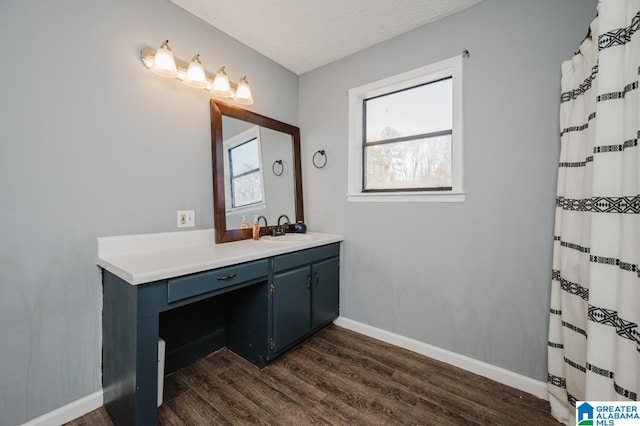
{"x":70,"y":411}
{"x":506,"y":377}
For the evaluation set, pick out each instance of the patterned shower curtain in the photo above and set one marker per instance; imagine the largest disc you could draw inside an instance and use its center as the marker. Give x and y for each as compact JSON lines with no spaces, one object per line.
{"x":594,"y":338}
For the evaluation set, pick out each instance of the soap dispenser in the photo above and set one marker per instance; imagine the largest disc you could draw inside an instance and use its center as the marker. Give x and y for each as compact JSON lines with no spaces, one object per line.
{"x":244,"y":224}
{"x":256,"y":228}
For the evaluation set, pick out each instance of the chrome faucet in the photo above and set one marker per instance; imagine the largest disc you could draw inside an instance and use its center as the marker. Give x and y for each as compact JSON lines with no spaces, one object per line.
{"x":284,"y":216}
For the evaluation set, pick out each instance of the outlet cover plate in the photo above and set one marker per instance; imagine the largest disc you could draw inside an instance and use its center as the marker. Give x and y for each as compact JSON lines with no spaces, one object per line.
{"x":186,"y":218}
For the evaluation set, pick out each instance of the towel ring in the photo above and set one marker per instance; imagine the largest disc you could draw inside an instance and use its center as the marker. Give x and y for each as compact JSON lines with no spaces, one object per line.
{"x":319,"y":164}
{"x":273,"y":168}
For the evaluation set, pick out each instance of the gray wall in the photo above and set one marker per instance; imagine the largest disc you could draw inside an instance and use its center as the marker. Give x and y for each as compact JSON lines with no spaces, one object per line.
{"x":472,"y":277}
{"x":93,"y":144}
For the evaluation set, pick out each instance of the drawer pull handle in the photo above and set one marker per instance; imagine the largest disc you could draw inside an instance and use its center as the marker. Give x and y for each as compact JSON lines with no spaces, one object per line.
{"x":227,"y":277}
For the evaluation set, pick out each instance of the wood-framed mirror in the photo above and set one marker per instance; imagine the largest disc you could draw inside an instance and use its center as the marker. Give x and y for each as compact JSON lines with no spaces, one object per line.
{"x":256,"y":171}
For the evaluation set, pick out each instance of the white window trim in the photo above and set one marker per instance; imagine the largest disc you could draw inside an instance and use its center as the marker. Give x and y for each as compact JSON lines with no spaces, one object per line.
{"x":451,"y":67}
{"x":232,"y":142}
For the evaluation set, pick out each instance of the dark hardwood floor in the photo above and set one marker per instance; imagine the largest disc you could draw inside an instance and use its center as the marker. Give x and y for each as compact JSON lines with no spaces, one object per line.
{"x":338,"y":377}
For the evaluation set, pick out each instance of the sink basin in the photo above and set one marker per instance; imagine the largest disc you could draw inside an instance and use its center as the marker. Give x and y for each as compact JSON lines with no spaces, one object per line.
{"x":288,"y":238}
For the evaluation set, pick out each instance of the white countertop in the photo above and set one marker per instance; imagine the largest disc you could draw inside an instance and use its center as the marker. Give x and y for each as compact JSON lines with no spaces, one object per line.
{"x":144,"y":258}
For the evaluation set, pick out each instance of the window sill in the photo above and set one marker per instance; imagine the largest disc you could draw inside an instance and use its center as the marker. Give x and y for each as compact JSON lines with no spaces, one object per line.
{"x":407,"y":197}
{"x":246,"y":209}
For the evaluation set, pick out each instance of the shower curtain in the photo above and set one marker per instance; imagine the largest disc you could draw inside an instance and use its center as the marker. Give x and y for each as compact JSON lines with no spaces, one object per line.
{"x":594,"y":338}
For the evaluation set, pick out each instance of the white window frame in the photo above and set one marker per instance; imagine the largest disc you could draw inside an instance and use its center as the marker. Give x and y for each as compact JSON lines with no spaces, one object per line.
{"x":451,"y":67}
{"x":229,"y":144}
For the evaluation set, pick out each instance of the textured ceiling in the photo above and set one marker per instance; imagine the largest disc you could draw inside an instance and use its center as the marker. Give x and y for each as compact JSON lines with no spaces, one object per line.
{"x":302,"y":35}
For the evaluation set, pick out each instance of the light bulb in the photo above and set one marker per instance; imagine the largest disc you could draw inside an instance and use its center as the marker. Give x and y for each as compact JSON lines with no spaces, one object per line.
{"x":195,"y":76}
{"x":163,"y":62}
{"x":243,"y":92}
{"x":221,"y":86}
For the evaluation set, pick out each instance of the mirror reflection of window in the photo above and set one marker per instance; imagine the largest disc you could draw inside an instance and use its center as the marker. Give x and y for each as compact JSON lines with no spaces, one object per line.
{"x":244,"y":169}
{"x":244,"y":179}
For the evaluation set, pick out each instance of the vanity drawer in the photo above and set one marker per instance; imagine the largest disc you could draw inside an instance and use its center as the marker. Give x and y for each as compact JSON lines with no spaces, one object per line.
{"x":291,"y":260}
{"x":217,"y":279}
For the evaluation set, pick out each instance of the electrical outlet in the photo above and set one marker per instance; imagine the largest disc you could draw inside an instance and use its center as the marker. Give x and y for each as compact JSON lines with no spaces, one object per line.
{"x":186,"y":218}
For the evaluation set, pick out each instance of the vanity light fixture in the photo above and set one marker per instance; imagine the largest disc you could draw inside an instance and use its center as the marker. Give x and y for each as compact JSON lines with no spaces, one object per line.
{"x":243,"y":92}
{"x":195,"y":76}
{"x":162,"y":62}
{"x":221,"y":86}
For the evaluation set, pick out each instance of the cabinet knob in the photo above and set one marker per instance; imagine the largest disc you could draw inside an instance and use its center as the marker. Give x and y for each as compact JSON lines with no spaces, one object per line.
{"x":317,"y":280}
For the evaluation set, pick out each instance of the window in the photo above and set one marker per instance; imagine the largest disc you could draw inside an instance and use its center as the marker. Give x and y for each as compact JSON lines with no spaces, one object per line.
{"x":405,"y":136}
{"x":244,"y":168}
{"x":244,"y":184}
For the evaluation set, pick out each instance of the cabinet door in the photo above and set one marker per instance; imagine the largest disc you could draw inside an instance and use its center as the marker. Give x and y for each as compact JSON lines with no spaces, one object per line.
{"x":291,"y":306}
{"x":326,"y":291}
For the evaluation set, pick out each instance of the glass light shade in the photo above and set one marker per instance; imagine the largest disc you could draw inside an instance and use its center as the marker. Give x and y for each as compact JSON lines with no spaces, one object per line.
{"x":163,"y":62}
{"x":243,"y":92}
{"x":195,"y":76}
{"x":221,"y":86}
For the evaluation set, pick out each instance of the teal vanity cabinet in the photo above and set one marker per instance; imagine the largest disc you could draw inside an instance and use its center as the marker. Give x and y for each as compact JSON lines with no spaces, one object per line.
{"x":304,"y":294}
{"x":257,"y":309}
{"x":131,"y":327}
{"x":325,"y":292}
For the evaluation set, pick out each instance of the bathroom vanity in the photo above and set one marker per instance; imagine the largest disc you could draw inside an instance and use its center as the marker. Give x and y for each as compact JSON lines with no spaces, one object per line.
{"x":257,"y":298}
